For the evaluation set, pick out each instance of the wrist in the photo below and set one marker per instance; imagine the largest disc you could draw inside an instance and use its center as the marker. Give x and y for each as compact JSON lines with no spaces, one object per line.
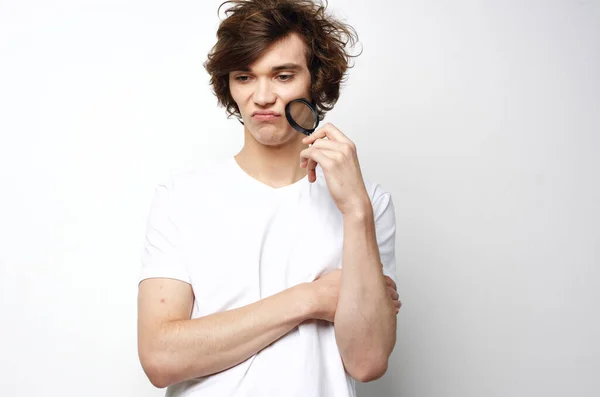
{"x":358,"y":204}
{"x":305,"y":296}
{"x":361,"y":212}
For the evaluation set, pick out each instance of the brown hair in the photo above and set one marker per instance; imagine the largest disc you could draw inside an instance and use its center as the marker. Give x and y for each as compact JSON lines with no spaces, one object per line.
{"x":251,"y":26}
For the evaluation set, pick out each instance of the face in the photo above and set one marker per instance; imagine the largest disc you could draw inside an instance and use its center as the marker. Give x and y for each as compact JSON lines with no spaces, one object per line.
{"x":262,"y":91}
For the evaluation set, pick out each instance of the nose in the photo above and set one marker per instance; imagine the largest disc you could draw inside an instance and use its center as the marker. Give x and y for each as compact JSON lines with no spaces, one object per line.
{"x":264,"y":94}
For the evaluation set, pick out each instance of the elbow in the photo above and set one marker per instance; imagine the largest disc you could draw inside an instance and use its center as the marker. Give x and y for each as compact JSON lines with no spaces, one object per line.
{"x":158,"y":378}
{"x":156,"y":369}
{"x":369,"y":370}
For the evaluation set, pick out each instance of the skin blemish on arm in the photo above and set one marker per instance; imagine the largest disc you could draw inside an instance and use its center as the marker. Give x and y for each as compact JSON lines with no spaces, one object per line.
{"x":162,"y":300}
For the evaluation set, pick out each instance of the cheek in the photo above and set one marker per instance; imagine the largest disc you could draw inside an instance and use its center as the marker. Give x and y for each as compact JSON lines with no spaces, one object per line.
{"x":238,"y":96}
{"x":294,"y":91}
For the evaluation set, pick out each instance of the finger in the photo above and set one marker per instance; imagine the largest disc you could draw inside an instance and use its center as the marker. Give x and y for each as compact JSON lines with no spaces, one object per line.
{"x":311,"y":157}
{"x":310,"y":166}
{"x":304,"y":161}
{"x":346,"y":150}
{"x":336,"y":150}
{"x":329,"y":131}
{"x":311,"y":170}
{"x":331,"y":145}
{"x":389,"y":281}
{"x":321,"y":156}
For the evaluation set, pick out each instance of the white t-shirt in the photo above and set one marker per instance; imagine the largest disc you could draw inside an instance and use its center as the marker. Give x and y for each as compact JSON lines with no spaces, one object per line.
{"x":236,"y":241}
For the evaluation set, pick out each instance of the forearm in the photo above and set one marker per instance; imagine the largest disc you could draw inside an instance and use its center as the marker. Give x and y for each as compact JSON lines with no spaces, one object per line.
{"x":203,"y":346}
{"x":365,"y":320}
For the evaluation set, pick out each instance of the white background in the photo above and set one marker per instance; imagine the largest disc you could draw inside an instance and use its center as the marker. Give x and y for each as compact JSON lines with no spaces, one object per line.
{"x":481,"y":118}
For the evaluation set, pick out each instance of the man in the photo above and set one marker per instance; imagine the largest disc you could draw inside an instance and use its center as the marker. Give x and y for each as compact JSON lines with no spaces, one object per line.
{"x":271,"y":273}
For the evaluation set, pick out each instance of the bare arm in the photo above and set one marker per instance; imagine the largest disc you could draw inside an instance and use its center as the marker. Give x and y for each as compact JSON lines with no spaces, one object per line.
{"x":173,"y":348}
{"x":365,"y":320}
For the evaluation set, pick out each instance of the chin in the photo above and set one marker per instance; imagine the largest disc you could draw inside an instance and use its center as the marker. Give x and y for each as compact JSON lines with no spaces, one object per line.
{"x":273,"y":135}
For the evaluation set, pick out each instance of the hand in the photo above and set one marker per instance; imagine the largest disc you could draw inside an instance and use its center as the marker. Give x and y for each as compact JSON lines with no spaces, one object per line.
{"x":327,"y":290}
{"x":337,"y":156}
{"x":326,"y":293}
{"x":391,"y":287}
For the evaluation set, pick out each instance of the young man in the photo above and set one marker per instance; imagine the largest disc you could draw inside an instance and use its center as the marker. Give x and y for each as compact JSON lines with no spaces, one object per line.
{"x":271,"y":273}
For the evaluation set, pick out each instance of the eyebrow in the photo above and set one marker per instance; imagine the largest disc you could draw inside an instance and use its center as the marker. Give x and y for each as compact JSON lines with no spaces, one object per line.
{"x":285,"y":66}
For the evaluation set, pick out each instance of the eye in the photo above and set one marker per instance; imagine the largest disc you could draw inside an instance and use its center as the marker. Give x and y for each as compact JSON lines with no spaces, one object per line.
{"x":285,"y":77}
{"x":242,"y":78}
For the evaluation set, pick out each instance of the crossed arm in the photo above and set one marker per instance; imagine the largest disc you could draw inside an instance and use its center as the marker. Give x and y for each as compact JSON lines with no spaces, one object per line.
{"x":365,"y":319}
{"x":359,"y":300}
{"x":172,"y":348}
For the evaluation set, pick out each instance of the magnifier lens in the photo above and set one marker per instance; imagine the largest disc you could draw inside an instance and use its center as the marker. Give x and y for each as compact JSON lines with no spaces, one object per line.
{"x":302,"y":115}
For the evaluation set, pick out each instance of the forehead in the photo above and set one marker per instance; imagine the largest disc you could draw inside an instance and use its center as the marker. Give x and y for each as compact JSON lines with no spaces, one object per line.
{"x":290,"y":49}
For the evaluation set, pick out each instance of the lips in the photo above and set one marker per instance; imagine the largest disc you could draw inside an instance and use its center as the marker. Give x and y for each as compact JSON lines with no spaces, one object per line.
{"x":265,"y":115}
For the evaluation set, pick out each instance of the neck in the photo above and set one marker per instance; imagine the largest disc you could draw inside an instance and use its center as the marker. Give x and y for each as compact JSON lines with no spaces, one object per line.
{"x":276,"y":166}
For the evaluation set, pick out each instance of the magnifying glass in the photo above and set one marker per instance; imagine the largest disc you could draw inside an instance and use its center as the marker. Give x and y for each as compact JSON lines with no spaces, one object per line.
{"x":302,"y":115}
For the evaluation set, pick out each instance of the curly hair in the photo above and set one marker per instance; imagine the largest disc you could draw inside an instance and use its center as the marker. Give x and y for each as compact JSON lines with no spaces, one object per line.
{"x":251,"y":26}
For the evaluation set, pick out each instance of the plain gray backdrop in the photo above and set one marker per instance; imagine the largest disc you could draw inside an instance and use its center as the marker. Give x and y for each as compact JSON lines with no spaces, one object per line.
{"x":481,"y":118}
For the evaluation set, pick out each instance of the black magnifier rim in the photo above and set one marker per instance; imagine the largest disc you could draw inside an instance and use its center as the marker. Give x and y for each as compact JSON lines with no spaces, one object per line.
{"x":295,"y":125}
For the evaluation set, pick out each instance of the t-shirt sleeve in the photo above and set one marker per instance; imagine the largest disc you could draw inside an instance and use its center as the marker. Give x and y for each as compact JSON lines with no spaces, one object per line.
{"x":385,"y":229}
{"x":161,"y":252}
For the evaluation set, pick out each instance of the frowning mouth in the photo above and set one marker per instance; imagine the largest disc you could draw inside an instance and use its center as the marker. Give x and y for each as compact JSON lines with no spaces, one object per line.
{"x":265,"y":115}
